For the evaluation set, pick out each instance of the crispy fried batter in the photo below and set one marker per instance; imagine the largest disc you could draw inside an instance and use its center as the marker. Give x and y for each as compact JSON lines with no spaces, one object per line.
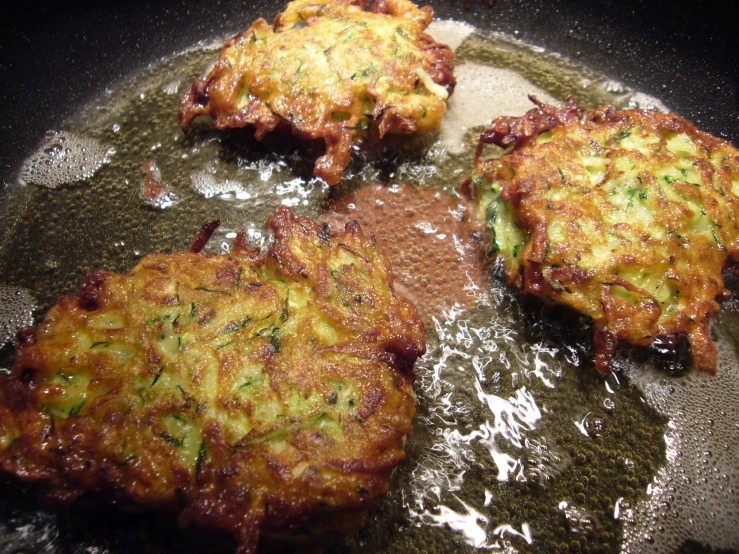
{"x":331,"y":71}
{"x":253,"y":393}
{"x":629,"y":218}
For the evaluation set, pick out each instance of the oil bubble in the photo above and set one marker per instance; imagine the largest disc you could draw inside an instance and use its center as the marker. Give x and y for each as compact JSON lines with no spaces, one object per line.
{"x":691,"y":453}
{"x":16,"y":311}
{"x":63,"y":158}
{"x":470,"y":105}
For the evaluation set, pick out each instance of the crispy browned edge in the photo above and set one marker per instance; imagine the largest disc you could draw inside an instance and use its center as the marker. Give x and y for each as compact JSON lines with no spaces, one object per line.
{"x":440,"y":66}
{"x":225,"y":502}
{"x":516,"y":133}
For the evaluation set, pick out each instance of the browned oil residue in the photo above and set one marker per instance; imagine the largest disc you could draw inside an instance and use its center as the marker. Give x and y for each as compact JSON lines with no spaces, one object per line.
{"x":152,"y":189}
{"x":436,"y":260}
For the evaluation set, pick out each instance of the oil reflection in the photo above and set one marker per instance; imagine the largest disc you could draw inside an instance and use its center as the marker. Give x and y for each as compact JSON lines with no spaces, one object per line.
{"x":477,"y":400}
{"x":693,"y":497}
{"x":470,"y":523}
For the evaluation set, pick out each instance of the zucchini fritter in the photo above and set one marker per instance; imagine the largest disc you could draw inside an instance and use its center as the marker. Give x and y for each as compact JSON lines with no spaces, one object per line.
{"x":252,"y":393}
{"x":628,"y":217}
{"x":331,"y":71}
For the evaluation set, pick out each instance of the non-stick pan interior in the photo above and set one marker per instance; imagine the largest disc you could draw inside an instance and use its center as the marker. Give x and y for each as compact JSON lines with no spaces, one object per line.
{"x":57,"y":55}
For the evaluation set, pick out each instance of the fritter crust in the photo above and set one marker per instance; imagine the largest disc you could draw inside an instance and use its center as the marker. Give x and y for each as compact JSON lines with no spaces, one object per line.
{"x":249,"y":392}
{"x":329,"y":70}
{"x":628,"y":217}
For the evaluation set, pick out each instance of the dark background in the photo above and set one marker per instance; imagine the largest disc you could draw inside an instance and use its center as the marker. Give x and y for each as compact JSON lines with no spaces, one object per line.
{"x":56,"y":56}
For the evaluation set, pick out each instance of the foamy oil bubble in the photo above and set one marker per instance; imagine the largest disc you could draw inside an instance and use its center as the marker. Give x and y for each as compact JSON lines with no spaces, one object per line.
{"x":465,"y":520}
{"x":695,"y":496}
{"x":415,"y":172}
{"x":646,"y":102}
{"x":484,"y":92}
{"x":16,"y":311}
{"x":449,"y":32}
{"x":298,"y":191}
{"x":209,"y":185}
{"x":172,"y":87}
{"x":64,"y":157}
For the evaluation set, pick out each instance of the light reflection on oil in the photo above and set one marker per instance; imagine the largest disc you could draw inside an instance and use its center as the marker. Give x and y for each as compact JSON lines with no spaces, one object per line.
{"x":488,"y":395}
{"x":470,"y":523}
{"x":479,"y":374}
{"x":694,"y":496}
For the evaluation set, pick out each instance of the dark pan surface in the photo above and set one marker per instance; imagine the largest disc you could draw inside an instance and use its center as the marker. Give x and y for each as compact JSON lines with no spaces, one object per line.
{"x":55,"y":58}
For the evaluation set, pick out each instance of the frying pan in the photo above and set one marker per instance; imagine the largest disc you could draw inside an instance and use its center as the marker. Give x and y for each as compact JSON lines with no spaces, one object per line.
{"x":57,"y":56}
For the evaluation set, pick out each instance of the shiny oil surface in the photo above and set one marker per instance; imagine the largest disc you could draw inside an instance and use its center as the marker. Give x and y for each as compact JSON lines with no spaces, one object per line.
{"x":518,"y":446}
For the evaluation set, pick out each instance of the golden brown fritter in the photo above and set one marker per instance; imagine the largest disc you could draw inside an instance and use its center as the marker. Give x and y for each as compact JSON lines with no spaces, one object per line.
{"x":330,"y":71}
{"x":252,"y":393}
{"x":629,"y":218}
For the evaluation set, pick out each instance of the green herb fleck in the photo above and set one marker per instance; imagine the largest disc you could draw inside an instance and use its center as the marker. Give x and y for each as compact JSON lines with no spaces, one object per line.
{"x":202,"y":454}
{"x":101,"y":344}
{"x":158,"y":319}
{"x":156,"y":378}
{"x":174,"y":441}
{"x":276,"y":343}
{"x":285,"y":313}
{"x":214,"y":291}
{"x":236,"y":325}
{"x":224,"y":346}
{"x":251,"y":381}
{"x":76,"y":409}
